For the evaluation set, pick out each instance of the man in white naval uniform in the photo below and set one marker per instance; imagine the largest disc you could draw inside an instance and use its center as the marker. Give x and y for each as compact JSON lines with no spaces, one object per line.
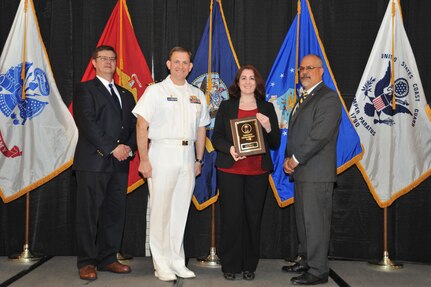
{"x":171,"y":114}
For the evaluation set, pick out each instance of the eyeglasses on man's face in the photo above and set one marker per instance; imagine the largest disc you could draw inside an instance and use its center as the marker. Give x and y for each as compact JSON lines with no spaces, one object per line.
{"x":107,"y":59}
{"x":308,"y":68}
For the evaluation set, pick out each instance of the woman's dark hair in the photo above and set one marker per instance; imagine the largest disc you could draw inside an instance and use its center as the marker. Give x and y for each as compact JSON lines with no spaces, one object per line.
{"x":259,"y":93}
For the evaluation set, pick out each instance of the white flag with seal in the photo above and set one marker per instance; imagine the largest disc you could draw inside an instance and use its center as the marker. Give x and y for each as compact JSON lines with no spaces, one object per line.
{"x":37,"y":133}
{"x":389,"y":113}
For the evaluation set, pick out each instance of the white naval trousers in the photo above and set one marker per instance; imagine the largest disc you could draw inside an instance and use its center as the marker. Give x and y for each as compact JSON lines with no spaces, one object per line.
{"x":171,"y":188}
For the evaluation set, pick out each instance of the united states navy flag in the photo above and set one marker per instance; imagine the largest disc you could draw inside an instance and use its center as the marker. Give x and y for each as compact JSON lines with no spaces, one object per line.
{"x":282,"y":84}
{"x":213,"y":77}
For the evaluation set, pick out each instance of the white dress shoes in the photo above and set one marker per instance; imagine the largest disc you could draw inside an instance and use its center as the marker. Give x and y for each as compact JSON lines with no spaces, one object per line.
{"x":165,"y":276}
{"x":183,"y":272}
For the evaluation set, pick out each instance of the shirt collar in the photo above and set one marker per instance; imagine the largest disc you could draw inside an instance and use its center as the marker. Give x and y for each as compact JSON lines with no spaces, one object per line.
{"x":312,"y":88}
{"x":105,"y":82}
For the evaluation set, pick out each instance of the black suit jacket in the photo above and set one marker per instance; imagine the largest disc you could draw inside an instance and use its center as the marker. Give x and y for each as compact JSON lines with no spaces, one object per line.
{"x":102,"y":126}
{"x":312,"y":137}
{"x":222,"y":134}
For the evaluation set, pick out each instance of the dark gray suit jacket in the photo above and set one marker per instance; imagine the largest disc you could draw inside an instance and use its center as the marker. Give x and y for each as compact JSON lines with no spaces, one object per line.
{"x":312,"y":136}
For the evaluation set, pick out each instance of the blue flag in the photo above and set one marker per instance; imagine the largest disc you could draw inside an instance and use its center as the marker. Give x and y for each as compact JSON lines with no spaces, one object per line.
{"x":281,"y":90}
{"x":214,"y":81}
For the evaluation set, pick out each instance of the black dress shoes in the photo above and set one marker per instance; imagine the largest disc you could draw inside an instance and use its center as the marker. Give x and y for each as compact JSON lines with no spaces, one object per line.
{"x":296,"y":268}
{"x":248,"y":275}
{"x":231,"y":276}
{"x":308,"y":279}
{"x":291,"y":261}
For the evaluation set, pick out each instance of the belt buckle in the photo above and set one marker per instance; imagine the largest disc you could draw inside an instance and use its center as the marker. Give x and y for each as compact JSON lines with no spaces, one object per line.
{"x":184,"y":142}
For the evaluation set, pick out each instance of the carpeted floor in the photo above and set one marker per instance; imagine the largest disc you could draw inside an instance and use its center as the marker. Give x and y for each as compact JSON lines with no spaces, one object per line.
{"x":61,"y":271}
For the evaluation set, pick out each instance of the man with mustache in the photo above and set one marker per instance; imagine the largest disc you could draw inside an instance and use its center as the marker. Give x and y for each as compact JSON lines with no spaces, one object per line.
{"x":311,"y":163}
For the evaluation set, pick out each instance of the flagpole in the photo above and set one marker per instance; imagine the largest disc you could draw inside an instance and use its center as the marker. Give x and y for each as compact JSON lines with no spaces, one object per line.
{"x":386,"y":263}
{"x":120,"y":255}
{"x":212,"y":260}
{"x":393,"y":56}
{"x":26,"y":256}
{"x":298,"y":7}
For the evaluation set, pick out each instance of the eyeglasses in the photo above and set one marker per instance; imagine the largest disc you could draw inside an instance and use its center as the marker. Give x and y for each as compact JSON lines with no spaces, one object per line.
{"x":107,"y":59}
{"x":308,"y":68}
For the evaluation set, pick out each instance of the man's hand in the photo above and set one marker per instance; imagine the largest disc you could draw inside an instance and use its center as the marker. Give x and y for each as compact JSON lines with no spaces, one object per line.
{"x":145,"y":168}
{"x":121,"y":152}
{"x":198,"y":168}
{"x":289,"y":165}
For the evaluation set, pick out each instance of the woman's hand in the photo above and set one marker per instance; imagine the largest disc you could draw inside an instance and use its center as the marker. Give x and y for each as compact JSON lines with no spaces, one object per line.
{"x":264,"y":121}
{"x":235,"y":155}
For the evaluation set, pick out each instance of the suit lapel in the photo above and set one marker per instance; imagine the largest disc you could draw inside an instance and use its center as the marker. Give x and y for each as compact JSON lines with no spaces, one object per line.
{"x":121,"y":93}
{"x":306,"y":102}
{"x":107,"y":95}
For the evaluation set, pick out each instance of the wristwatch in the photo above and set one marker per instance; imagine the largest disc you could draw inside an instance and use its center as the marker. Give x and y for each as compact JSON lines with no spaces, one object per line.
{"x":200,"y":161}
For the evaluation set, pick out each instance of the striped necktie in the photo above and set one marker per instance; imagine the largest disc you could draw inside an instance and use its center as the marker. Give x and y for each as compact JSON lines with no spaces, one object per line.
{"x":302,"y":98}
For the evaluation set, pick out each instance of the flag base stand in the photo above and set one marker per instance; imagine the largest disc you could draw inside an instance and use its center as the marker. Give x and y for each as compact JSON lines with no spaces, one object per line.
{"x":212,"y":260}
{"x":25,"y":256}
{"x":123,"y":256}
{"x":386,"y":263}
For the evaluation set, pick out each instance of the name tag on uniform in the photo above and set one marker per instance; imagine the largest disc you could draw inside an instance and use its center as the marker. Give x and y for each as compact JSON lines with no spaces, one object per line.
{"x":195,"y":100}
{"x":172,"y":99}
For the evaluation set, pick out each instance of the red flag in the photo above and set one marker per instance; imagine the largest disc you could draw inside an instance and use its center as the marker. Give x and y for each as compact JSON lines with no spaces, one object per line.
{"x":132,"y":69}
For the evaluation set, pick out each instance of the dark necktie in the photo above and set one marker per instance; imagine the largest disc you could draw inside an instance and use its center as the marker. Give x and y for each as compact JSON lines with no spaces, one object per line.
{"x":114,"y":96}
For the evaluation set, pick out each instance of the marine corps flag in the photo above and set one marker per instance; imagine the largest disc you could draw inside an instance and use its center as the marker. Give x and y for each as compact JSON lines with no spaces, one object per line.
{"x":132,"y":69}
{"x":281,"y":89}
{"x":37,"y":133}
{"x":389,"y":113}
{"x":214,"y":67}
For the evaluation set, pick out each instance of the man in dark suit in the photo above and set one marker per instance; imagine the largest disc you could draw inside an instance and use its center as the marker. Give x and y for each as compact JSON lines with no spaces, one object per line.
{"x":107,"y":140}
{"x":311,"y":162}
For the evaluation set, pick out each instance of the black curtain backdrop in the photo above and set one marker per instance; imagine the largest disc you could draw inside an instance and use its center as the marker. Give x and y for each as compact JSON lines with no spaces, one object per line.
{"x":70,"y":30}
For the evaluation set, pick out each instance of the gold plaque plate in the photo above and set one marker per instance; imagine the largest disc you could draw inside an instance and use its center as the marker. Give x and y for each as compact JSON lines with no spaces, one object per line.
{"x":247,"y":136}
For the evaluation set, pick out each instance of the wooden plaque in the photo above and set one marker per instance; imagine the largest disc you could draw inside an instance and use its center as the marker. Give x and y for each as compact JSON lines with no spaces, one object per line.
{"x":247,"y":136}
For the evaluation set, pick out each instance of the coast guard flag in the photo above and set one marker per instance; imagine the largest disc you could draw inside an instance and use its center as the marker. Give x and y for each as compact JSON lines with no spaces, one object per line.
{"x":132,"y":69}
{"x":37,"y":133}
{"x":281,"y":91}
{"x":224,"y":65}
{"x":397,"y":139}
